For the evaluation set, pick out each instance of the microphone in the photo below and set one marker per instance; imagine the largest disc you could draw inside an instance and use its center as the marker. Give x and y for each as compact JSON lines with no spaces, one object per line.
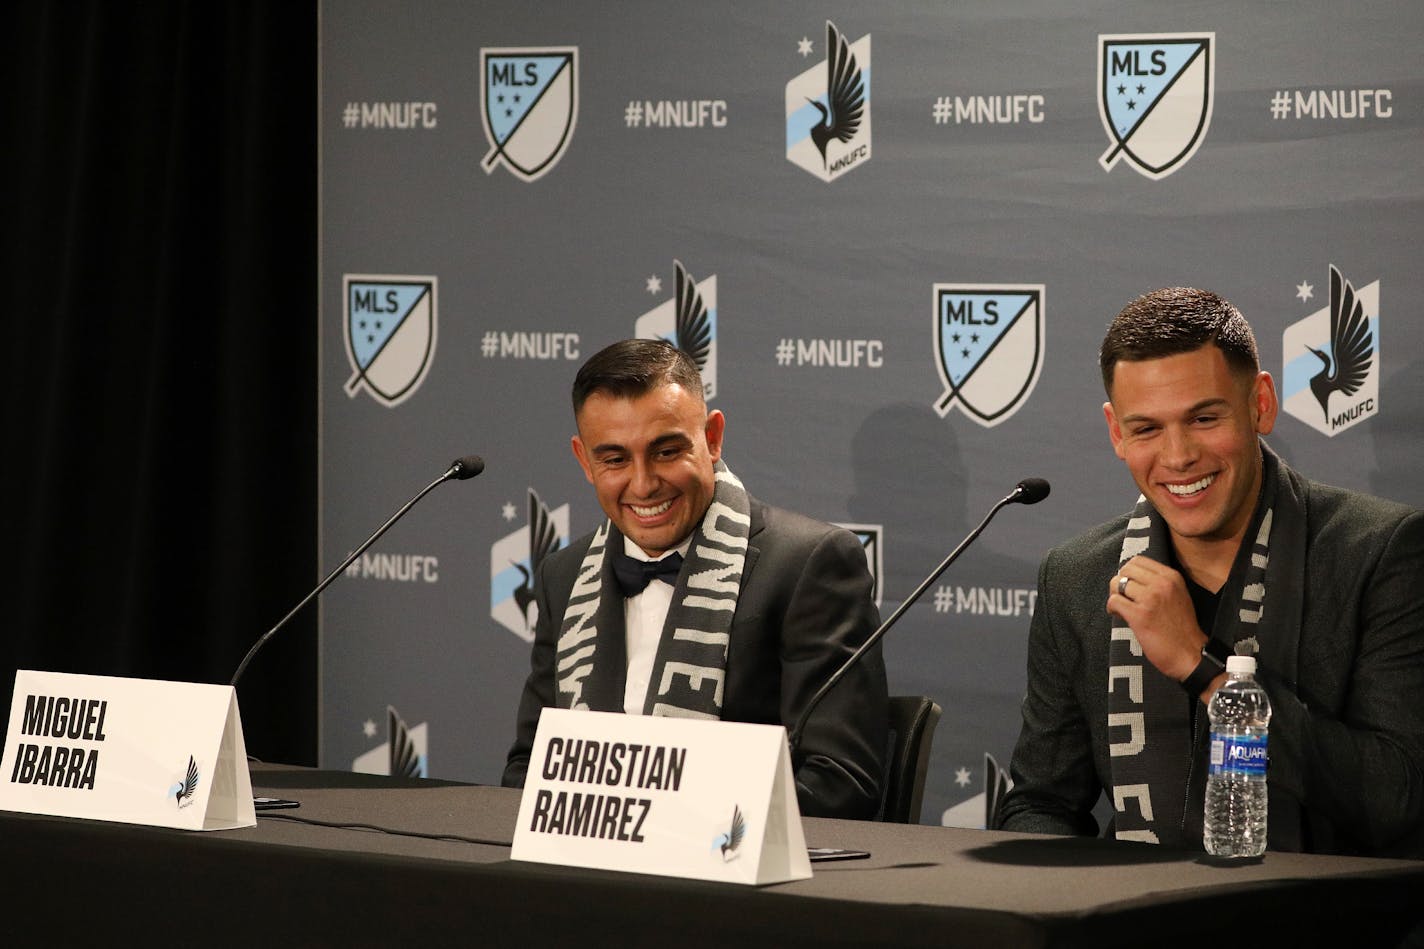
{"x":1027,"y":491}
{"x":461,"y":469}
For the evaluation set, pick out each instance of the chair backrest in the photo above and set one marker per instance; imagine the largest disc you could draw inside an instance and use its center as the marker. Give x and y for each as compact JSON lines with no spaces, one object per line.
{"x":912,"y":724}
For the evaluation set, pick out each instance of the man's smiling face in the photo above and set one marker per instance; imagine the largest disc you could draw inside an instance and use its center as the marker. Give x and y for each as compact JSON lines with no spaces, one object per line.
{"x":1186,"y":426}
{"x":650,"y":460}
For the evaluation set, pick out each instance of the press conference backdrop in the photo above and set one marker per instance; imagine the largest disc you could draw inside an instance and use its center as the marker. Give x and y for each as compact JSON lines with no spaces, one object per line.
{"x":892,"y":234}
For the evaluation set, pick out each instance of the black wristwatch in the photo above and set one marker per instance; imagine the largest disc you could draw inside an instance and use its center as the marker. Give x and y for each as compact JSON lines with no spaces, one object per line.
{"x":1213,"y":663}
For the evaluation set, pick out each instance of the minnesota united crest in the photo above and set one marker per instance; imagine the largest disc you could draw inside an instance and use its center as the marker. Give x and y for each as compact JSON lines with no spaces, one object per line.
{"x":514,"y":561}
{"x":1331,"y":376}
{"x":989,"y":343}
{"x":182,"y":792}
{"x":689,"y":322}
{"x":1155,"y":98}
{"x":828,"y":109}
{"x":389,"y":325}
{"x":404,"y":754}
{"x":529,"y":101}
{"x":729,"y":842}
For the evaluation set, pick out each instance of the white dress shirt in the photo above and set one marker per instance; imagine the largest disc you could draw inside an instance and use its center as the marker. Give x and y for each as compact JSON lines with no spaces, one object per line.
{"x":643,"y":618}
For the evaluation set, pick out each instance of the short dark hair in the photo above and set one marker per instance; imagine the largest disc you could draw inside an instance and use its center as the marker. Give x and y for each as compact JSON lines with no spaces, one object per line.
{"x":1178,"y":320}
{"x":633,"y":367}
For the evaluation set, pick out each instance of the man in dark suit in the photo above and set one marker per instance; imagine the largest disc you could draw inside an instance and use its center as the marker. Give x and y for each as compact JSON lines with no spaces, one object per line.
{"x":695,"y":599}
{"x":1227,"y":551}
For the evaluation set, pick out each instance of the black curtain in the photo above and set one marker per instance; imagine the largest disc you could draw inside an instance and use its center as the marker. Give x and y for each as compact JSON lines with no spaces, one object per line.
{"x":161,"y":413}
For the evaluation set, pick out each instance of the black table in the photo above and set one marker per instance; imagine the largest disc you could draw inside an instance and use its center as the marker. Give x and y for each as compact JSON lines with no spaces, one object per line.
{"x":443,"y":877}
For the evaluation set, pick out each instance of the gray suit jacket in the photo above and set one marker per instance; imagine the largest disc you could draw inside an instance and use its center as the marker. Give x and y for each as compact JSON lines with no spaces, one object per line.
{"x":805,"y":605}
{"x":1346,"y":683}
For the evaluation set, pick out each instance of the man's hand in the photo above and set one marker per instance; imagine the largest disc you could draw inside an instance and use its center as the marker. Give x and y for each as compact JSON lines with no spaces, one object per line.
{"x":1155,"y":603}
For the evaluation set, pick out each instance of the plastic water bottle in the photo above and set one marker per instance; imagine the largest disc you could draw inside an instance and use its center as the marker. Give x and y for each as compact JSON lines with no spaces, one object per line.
{"x":1235,"y":824}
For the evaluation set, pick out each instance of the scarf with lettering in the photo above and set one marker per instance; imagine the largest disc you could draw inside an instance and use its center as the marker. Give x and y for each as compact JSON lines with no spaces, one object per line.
{"x":1154,"y":730}
{"x":689,"y":670}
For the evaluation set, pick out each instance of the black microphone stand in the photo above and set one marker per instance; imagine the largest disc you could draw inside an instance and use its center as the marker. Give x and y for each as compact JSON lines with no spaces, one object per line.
{"x":1024,"y":492}
{"x":460,"y":469}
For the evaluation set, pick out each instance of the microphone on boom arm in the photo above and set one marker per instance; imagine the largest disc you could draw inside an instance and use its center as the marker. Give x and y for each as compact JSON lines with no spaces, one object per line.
{"x":461,"y":469}
{"x":1027,"y":491}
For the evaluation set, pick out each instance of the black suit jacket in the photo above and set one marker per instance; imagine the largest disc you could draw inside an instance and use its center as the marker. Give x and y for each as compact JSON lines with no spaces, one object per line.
{"x":804,"y":606}
{"x":1346,"y":683}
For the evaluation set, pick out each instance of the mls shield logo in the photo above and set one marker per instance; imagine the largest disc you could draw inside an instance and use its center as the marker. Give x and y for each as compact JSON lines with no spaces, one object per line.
{"x":405,"y":754}
{"x":828,"y":109}
{"x":389,"y":327}
{"x":529,"y":99}
{"x":989,"y":339}
{"x":689,"y":322}
{"x":514,"y":561}
{"x":870,"y":538}
{"x":1330,"y":380}
{"x":1154,"y":96}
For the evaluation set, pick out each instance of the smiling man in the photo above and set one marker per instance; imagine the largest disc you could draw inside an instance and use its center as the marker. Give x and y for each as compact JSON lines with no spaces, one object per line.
{"x":1228,"y":550}
{"x":693,"y":598}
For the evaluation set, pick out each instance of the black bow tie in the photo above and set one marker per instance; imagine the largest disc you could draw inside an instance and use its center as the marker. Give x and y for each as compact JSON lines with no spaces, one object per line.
{"x":634,"y":575}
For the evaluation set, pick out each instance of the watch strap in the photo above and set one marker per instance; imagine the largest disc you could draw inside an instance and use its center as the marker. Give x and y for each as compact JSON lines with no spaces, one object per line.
{"x":1212,"y":664}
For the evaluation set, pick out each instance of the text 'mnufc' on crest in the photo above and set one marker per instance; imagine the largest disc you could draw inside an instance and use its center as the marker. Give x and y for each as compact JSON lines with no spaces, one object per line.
{"x":1331,"y":376}
{"x":828,"y":109}
{"x":689,"y":322}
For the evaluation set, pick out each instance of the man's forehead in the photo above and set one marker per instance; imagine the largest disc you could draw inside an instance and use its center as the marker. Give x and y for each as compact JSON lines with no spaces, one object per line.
{"x":663,"y":412}
{"x":1203,"y":372}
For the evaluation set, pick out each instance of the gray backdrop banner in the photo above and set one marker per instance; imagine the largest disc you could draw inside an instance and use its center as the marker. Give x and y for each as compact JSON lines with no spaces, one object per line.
{"x":894,"y":233}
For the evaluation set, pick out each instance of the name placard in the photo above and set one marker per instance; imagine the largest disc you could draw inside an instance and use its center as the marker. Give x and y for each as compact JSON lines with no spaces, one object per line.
{"x":138,"y":751}
{"x":672,"y":796}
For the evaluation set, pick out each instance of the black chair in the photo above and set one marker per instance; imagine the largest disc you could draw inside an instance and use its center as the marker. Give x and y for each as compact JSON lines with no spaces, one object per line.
{"x":912,"y":724}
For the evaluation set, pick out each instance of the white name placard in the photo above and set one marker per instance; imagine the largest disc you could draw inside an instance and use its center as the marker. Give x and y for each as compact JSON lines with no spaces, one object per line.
{"x":672,"y":796}
{"x":139,"y":751}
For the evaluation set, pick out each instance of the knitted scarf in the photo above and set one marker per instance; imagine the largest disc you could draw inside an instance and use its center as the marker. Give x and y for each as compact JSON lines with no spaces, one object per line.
{"x":689,"y":670}
{"x":1154,"y":735}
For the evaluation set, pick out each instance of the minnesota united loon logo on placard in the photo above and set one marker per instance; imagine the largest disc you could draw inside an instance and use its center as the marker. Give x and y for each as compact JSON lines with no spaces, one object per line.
{"x":389,"y":327}
{"x":989,"y":340}
{"x":689,"y":322}
{"x":182,"y":792}
{"x":1154,"y":96}
{"x":529,"y":100}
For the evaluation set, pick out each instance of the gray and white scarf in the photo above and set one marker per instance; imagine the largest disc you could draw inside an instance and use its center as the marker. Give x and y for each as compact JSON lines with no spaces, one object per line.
{"x":689,"y":671}
{"x":1152,"y":729}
